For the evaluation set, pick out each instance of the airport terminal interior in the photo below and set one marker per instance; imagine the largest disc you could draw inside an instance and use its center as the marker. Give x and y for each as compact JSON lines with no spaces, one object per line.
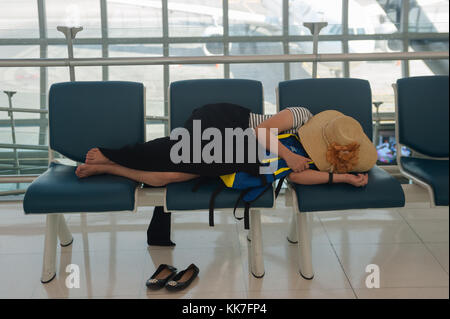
{"x":385,"y":248}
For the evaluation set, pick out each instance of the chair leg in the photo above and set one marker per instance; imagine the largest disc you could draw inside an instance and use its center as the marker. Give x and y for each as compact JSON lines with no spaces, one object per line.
{"x":256,"y":248}
{"x":292,"y":235}
{"x":49,"y":264}
{"x":65,"y":237}
{"x":304,"y":246}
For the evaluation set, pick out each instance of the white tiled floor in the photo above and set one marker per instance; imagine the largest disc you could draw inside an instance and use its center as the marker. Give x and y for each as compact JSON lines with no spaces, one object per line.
{"x":410,"y":245}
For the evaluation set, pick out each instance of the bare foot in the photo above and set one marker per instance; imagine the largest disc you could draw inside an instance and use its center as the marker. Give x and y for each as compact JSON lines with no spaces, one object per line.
{"x":94,"y":156}
{"x":85,"y":170}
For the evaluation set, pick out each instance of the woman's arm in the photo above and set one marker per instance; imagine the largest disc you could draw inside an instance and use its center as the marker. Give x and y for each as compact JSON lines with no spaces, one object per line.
{"x":313,"y":177}
{"x":282,"y":121}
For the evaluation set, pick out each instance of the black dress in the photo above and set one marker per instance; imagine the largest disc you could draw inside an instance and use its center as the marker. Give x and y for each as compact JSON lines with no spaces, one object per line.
{"x":155,"y":155}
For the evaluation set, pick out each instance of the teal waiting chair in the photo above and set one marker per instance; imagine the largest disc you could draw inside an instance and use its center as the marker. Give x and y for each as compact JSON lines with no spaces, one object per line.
{"x":83,"y":115}
{"x":184,"y":97}
{"x":422,"y":126}
{"x":351,"y":97}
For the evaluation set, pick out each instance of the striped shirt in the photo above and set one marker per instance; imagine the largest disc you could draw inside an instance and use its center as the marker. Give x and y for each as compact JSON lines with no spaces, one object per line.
{"x":301,"y":116}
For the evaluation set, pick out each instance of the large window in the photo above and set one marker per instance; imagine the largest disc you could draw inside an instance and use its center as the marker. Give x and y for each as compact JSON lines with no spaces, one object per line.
{"x":151,"y":28}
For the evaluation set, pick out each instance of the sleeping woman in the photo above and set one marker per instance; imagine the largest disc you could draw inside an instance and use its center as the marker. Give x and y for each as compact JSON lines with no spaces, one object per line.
{"x":333,"y":142}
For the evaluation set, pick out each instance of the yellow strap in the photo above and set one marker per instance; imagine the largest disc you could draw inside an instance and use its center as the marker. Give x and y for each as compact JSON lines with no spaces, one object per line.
{"x":283,"y":136}
{"x":281,"y":170}
{"x":228,"y":179}
{"x":270,"y":160}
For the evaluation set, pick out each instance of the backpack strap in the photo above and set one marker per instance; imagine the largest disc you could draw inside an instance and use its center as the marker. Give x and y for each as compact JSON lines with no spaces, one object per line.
{"x":201,"y":181}
{"x":278,"y":189}
{"x":241,"y":196}
{"x":212,"y":203}
{"x":248,"y":204}
{"x":247,"y":216}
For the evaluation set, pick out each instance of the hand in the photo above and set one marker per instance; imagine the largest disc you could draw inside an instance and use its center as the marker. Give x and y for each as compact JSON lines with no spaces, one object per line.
{"x":297,"y":163}
{"x":357,"y":180}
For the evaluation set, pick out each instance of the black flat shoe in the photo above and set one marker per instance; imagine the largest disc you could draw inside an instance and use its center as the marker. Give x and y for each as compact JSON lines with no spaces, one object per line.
{"x":183,"y":279}
{"x":161,"y":276}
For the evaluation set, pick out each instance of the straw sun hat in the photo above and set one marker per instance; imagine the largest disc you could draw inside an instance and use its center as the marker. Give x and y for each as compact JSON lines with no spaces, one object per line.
{"x":337,"y":143}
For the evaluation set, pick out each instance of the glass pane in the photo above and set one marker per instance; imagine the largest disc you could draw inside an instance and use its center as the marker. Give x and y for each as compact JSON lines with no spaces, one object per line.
{"x":315,"y":11}
{"x":57,"y":74}
{"x":150,"y":75}
{"x":19,"y":19}
{"x":364,"y":18}
{"x":330,"y":69}
{"x":195,"y":18}
{"x":371,"y":46}
{"x":79,"y":51}
{"x":381,"y":75}
{"x":300,"y":70}
{"x":19,"y":51}
{"x":374,"y":16}
{"x":255,"y":48}
{"x":195,"y":71}
{"x":196,"y":49}
{"x":428,"y":16}
{"x":5,"y":132}
{"x":428,"y":67}
{"x":152,"y":78}
{"x":143,"y":19}
{"x":58,"y":51}
{"x":135,"y":50}
{"x":27,"y":135}
{"x":61,"y":74}
{"x":154,"y":131}
{"x":87,"y":51}
{"x":25,"y":82}
{"x":88,"y":73}
{"x":255,"y":18}
{"x":270,"y":74}
{"x":324,"y":69}
{"x":393,"y":10}
{"x":85,"y":13}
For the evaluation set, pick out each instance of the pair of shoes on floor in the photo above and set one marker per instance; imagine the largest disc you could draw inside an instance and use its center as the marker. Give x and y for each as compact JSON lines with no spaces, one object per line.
{"x":167,"y":276}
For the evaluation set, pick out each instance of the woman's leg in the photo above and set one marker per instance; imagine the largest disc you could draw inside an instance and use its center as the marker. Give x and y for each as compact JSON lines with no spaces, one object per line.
{"x":151,"y":156}
{"x":94,"y":156}
{"x":150,"y":178}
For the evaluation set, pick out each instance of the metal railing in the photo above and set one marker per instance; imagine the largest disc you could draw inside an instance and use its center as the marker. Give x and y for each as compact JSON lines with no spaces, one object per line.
{"x":73,"y":62}
{"x":280,"y":58}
